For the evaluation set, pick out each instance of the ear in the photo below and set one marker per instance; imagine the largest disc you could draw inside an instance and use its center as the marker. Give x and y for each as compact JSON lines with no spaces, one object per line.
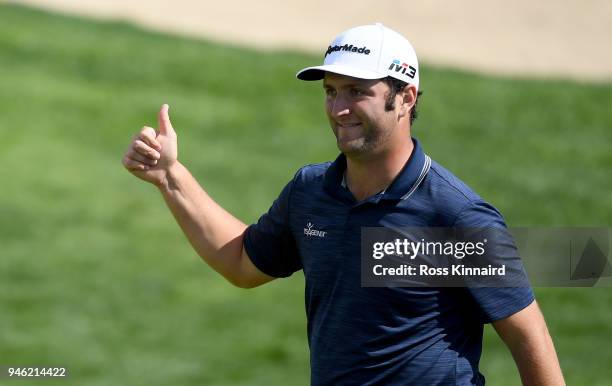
{"x":408,"y":99}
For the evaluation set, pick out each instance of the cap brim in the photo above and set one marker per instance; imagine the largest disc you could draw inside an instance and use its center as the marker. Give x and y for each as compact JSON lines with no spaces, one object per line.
{"x":318,"y":72}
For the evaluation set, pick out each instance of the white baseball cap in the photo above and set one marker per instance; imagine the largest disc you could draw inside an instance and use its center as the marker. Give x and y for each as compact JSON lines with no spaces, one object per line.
{"x":368,"y":52}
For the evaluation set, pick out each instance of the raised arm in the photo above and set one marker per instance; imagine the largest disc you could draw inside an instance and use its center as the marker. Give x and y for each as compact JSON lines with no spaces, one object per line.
{"x":526,"y":335}
{"x":214,"y":233}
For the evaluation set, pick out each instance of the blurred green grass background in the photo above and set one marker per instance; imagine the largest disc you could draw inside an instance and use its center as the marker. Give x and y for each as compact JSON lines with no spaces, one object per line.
{"x":96,"y":276}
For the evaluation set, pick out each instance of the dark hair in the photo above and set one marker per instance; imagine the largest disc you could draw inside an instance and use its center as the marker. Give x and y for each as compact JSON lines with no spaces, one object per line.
{"x":396,"y":86}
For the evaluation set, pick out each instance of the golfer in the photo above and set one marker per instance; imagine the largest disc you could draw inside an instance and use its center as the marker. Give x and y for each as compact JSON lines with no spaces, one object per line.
{"x":381,"y":178}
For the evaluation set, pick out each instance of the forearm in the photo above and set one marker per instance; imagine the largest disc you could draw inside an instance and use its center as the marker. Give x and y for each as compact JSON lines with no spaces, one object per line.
{"x":214,"y":233}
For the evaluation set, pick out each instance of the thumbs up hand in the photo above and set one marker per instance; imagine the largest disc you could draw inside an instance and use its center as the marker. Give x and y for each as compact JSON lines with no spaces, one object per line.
{"x":152,"y":153}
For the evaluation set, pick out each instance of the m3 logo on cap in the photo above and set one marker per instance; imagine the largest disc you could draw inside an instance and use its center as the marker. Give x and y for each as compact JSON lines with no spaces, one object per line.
{"x":404,"y":68}
{"x":349,"y":48}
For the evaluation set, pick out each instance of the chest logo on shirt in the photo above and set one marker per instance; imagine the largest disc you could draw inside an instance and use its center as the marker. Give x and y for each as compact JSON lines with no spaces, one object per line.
{"x":309,"y":231}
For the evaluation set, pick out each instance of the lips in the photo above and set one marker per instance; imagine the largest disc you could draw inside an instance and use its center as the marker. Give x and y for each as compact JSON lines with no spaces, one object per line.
{"x":348,"y":125}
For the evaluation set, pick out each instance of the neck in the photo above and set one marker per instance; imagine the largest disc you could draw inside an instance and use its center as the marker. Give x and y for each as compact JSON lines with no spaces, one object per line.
{"x":368,"y":175}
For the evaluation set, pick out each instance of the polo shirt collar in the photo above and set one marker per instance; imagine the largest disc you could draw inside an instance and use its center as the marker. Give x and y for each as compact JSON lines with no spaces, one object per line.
{"x":406,"y":182}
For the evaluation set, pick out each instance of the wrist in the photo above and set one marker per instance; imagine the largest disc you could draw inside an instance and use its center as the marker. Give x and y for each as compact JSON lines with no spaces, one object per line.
{"x":170,"y":178}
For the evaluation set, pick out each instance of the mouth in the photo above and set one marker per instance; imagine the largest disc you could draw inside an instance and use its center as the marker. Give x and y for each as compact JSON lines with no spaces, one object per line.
{"x":348,"y":125}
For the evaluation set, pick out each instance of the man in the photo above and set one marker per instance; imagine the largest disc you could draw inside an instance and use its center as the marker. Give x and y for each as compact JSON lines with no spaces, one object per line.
{"x":358,"y":335}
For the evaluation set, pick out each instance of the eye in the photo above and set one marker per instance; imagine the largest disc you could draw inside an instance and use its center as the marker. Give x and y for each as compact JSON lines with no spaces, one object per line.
{"x":356,"y":92}
{"x":330,"y":92}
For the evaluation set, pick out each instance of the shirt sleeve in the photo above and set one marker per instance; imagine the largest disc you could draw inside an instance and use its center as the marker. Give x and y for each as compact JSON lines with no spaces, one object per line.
{"x":500,"y":301}
{"x":270,"y":243}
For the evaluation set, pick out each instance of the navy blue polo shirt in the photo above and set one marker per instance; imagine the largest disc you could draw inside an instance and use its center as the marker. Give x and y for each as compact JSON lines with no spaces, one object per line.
{"x":380,"y":336}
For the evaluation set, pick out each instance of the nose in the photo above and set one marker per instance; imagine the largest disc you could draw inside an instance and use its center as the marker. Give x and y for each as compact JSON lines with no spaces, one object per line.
{"x":339,"y":106}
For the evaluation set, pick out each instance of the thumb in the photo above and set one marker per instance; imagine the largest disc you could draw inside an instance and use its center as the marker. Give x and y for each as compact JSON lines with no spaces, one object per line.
{"x":165,"y":127}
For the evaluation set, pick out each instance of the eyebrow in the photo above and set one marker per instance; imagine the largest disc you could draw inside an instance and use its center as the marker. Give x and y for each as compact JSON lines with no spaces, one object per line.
{"x":325,"y":85}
